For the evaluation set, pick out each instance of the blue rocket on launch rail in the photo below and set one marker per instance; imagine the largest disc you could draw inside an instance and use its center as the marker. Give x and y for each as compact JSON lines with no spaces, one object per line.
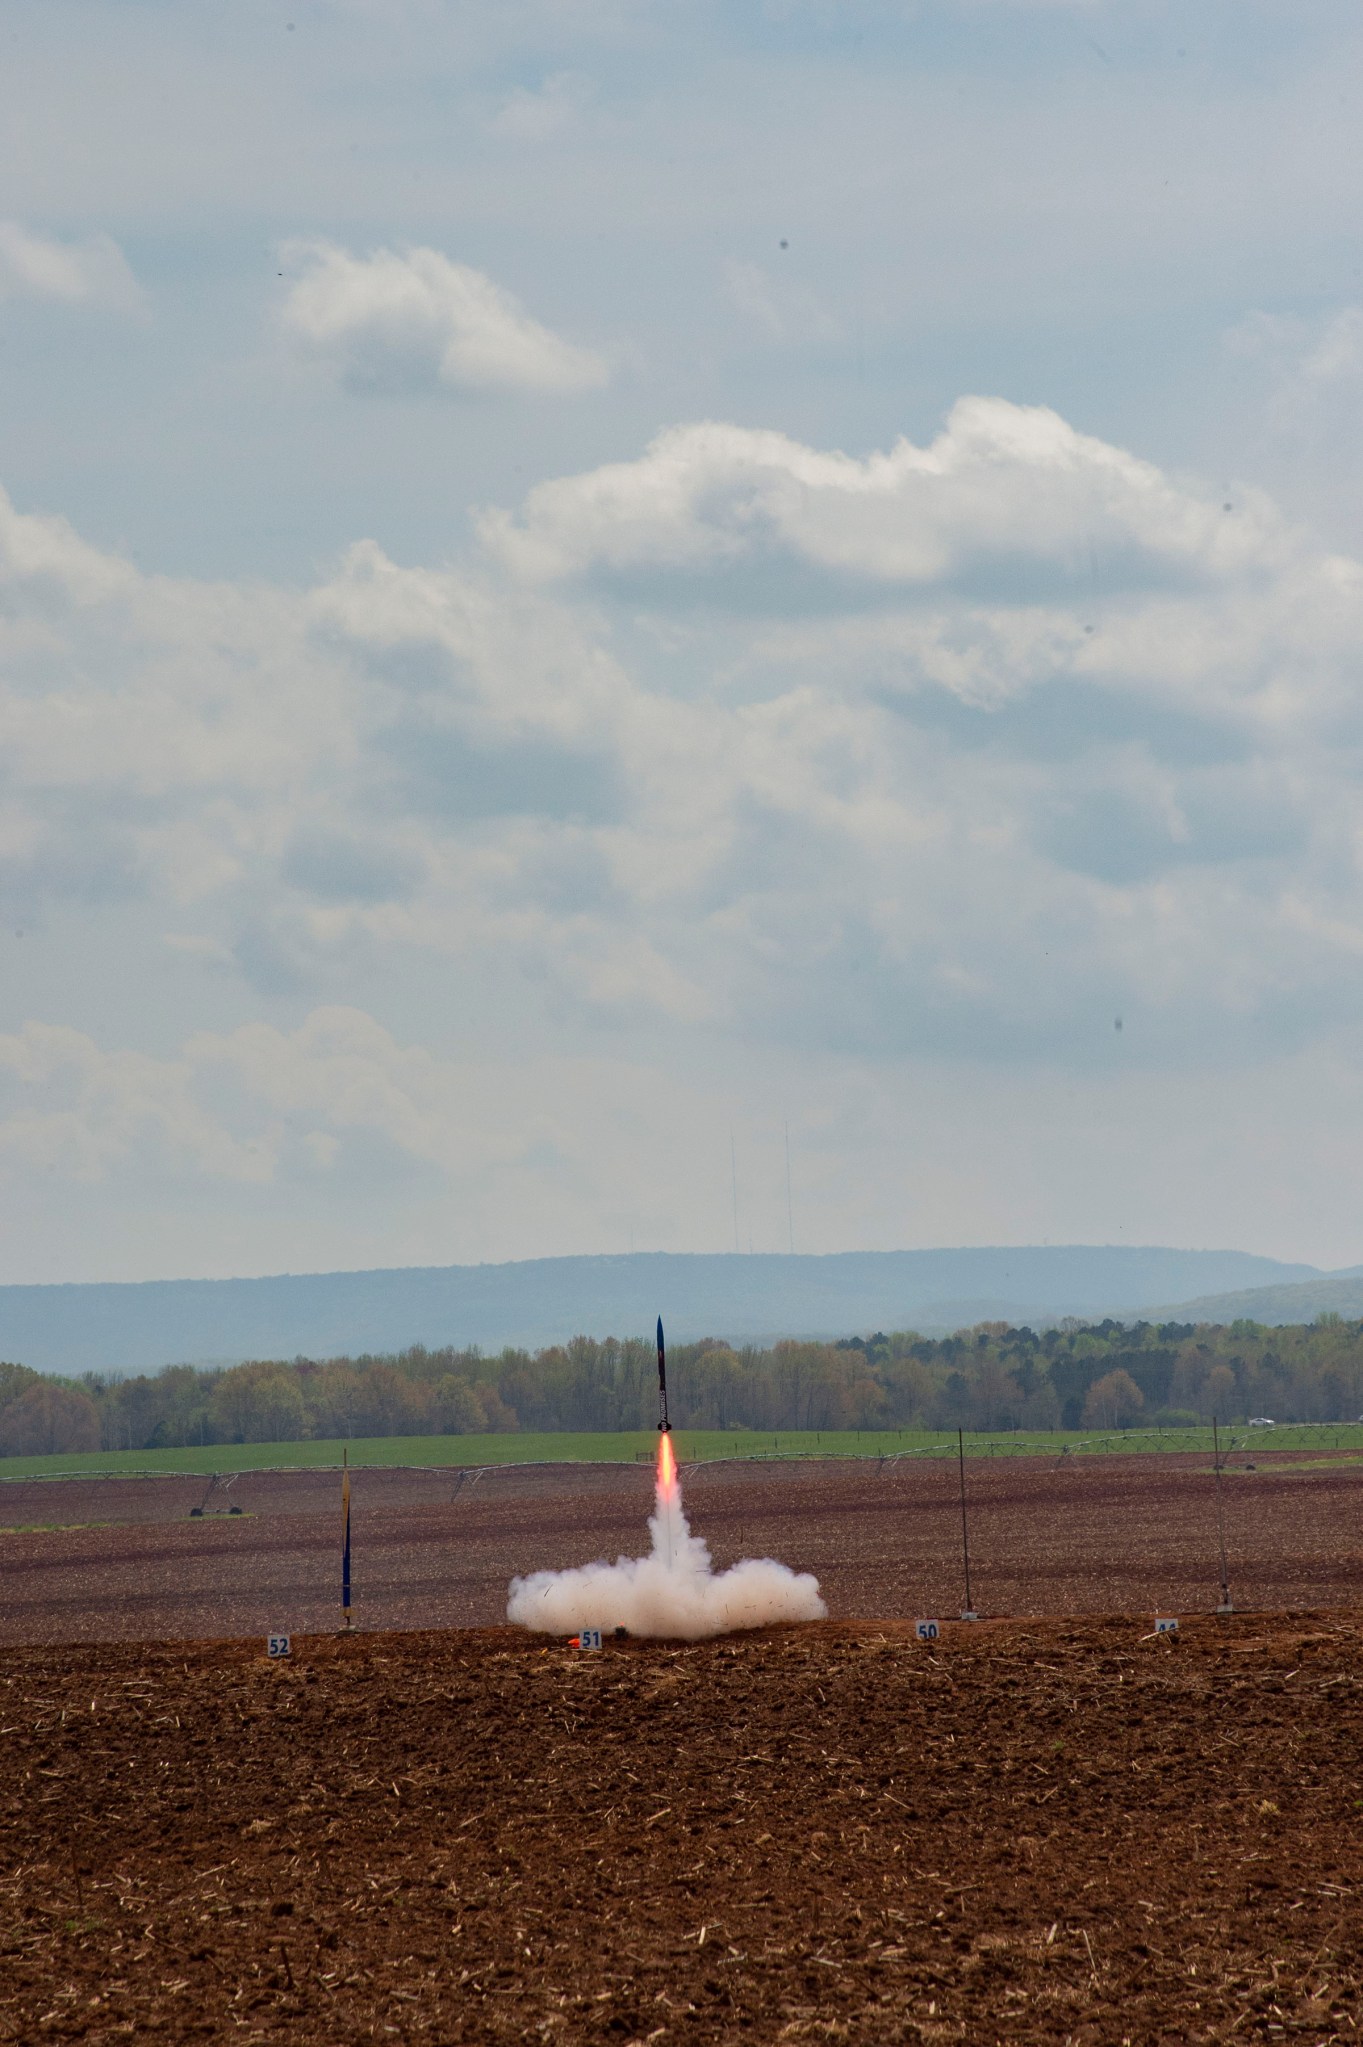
{"x":664,"y":1425}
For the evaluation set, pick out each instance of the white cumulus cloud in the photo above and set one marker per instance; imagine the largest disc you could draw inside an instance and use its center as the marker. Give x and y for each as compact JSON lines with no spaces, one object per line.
{"x":542,"y":115}
{"x":1000,"y":480}
{"x":90,"y":272}
{"x":412,"y":318}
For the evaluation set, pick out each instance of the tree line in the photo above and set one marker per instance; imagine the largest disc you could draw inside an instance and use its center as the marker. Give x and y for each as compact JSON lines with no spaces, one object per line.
{"x":1105,"y":1375}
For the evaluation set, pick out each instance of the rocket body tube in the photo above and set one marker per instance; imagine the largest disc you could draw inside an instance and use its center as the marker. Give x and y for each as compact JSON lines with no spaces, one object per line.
{"x":664,"y":1425}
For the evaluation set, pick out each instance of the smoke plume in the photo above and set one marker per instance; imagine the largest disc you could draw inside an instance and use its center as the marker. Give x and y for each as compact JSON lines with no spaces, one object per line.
{"x":672,"y":1592}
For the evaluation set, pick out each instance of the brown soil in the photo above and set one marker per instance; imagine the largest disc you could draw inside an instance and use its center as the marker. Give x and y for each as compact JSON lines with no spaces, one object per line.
{"x":1034,"y":1831}
{"x":437,"y":1548}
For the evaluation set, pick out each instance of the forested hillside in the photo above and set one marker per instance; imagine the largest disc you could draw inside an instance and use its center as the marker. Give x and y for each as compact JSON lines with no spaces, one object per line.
{"x":1104,"y":1375}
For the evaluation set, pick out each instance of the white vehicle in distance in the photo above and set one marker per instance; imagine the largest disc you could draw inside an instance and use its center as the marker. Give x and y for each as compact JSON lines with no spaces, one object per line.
{"x":1262,"y":1421}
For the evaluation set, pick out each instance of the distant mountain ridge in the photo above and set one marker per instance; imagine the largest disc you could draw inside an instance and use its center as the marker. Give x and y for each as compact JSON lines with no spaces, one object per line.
{"x":141,"y":1326}
{"x":1334,"y":1293}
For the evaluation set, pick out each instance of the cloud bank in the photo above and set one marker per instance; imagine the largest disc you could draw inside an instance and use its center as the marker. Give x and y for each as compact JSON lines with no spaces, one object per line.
{"x":948,"y":752}
{"x":250,"y":1105}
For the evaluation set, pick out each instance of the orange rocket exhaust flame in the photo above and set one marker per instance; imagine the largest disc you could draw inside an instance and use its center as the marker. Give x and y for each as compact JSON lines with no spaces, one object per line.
{"x":667,"y":1468}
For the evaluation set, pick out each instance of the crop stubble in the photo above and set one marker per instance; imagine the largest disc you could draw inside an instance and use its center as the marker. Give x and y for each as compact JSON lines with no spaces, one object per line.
{"x":1039,"y":1830}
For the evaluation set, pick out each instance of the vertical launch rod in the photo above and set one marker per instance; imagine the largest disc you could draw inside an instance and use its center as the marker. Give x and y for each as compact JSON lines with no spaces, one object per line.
{"x":345,"y":1538}
{"x":969,"y":1613}
{"x":1225,"y":1606}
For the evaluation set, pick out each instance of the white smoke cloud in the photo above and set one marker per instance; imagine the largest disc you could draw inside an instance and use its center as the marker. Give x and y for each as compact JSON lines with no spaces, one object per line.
{"x":673,"y":1592}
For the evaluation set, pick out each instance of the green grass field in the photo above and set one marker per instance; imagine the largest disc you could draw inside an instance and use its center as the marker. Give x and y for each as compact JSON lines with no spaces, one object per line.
{"x":693,"y":1446}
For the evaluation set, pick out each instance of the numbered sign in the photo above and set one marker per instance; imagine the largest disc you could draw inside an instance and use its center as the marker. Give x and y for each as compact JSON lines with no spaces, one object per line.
{"x":1166,"y":1627}
{"x":589,"y":1638}
{"x":278,"y":1645}
{"x":926,"y":1631}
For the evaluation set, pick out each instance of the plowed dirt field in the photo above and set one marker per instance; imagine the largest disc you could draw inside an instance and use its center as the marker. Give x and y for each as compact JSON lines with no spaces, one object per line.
{"x":89,"y":1560}
{"x":1031,"y":1831}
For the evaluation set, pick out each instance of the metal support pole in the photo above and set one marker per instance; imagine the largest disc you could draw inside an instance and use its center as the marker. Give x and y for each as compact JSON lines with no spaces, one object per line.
{"x":969,"y":1614}
{"x":1225,"y":1606}
{"x":345,"y":1538}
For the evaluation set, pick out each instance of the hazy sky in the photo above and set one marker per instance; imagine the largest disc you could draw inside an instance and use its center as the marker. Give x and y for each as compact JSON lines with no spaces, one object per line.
{"x":580,"y":581}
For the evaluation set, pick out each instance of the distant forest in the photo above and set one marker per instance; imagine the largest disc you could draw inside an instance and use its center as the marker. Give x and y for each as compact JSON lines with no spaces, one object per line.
{"x":1107,"y":1375}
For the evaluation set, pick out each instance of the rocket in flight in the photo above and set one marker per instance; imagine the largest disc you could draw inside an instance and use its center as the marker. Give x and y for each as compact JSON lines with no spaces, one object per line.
{"x":664,"y":1425}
